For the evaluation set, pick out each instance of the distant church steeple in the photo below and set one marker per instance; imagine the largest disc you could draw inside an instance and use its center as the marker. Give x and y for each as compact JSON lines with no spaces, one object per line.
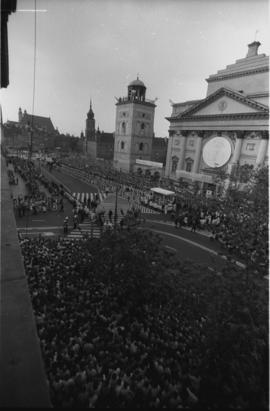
{"x":90,"y":113}
{"x":20,"y":114}
{"x":90,"y":132}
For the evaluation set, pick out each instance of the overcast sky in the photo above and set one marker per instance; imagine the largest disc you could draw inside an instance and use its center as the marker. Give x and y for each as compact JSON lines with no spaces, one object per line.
{"x":94,"y":48}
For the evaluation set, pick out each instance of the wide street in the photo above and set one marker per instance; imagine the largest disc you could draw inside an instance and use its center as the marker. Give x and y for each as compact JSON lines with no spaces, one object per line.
{"x":196,"y":247}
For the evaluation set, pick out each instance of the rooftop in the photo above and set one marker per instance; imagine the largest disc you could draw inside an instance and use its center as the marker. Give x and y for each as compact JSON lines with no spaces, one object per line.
{"x":251,"y":63}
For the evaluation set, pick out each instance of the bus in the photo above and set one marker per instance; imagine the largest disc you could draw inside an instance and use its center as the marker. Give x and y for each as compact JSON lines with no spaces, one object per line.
{"x":160,"y":199}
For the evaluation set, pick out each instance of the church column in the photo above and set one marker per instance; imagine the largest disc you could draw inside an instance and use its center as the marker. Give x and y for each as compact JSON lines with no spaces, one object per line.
{"x":169,"y":154}
{"x":262,"y":149}
{"x":198,"y":152}
{"x":181,"y":164}
{"x":238,"y":146}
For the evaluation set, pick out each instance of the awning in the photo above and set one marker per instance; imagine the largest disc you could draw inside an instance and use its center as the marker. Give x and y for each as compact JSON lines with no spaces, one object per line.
{"x":161,"y":191}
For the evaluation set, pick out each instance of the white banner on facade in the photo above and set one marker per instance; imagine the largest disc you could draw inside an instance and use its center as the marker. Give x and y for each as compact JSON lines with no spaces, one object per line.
{"x":194,"y":176}
{"x":149,"y":163}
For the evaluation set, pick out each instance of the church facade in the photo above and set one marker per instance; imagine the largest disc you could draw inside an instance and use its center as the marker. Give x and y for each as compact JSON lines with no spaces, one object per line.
{"x":228,"y":128}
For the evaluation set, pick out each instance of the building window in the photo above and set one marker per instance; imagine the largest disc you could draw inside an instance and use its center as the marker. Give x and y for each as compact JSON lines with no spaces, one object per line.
{"x":142,"y":126}
{"x":191,"y":143}
{"x":250,"y":146}
{"x":141,"y":146}
{"x":122,"y":145}
{"x":123,"y":128}
{"x":174,"y":163}
{"x":143,"y":114}
{"x":189,"y":163}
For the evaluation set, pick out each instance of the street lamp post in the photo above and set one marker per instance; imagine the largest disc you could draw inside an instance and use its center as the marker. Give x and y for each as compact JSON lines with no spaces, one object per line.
{"x":116,"y":205}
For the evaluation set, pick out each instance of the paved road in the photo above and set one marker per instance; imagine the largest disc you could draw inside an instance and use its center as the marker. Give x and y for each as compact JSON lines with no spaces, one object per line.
{"x":75,"y":185}
{"x":195,"y":247}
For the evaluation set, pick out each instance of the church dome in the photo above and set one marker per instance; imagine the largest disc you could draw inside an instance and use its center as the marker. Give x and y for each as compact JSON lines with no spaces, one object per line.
{"x":136,"y":82}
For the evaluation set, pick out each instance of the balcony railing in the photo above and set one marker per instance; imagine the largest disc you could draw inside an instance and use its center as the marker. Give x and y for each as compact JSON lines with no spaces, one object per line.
{"x":134,"y":99}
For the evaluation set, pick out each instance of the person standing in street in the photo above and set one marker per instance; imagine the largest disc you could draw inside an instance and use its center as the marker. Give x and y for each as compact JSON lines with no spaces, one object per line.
{"x":110,"y":215}
{"x":66,"y":225}
{"x":75,"y":221}
{"x":61,"y":204}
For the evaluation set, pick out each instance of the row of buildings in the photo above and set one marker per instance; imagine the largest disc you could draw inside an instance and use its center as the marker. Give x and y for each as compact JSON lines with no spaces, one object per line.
{"x":107,"y":146}
{"x":226,"y":129}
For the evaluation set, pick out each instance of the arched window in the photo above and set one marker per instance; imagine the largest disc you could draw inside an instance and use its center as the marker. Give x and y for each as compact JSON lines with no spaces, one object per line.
{"x":141,"y":146}
{"x":123,"y":128}
{"x":142,"y":126}
{"x":122,"y":145}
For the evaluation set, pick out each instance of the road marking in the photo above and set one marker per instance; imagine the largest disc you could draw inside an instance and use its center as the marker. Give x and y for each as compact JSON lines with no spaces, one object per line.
{"x":170,"y":248}
{"x":208,"y":235}
{"x":209,"y":250}
{"x":39,"y":228}
{"x":197,"y":245}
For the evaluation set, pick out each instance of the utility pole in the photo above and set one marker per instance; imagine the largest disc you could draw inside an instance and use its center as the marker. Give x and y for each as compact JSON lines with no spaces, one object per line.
{"x":31,"y":144}
{"x":30,"y":157}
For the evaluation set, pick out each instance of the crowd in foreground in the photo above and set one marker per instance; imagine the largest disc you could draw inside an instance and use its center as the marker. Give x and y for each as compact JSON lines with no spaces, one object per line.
{"x":112,"y":339}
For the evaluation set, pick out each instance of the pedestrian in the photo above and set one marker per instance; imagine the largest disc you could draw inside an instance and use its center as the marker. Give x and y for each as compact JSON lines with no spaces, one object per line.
{"x":121,"y":223}
{"x":110,"y":215}
{"x":193,"y":225}
{"x":75,"y":221}
{"x":66,"y":225}
{"x":61,"y":203}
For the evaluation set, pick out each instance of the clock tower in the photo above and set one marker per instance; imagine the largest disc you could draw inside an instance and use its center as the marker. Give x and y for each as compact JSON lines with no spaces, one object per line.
{"x":134,"y":127}
{"x":90,"y":133}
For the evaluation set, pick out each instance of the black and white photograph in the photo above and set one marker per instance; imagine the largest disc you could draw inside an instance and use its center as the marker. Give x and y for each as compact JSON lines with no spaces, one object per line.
{"x":134,"y":204}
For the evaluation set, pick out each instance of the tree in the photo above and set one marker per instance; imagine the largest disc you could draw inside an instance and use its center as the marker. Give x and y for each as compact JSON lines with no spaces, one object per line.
{"x":246,"y":231}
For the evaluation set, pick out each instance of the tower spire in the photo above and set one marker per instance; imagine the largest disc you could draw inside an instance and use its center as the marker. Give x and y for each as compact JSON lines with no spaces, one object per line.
{"x":90,"y":113}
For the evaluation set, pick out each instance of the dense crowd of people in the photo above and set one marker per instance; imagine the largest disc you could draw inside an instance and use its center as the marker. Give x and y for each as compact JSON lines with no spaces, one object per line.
{"x":220,"y":216}
{"x":42,"y":195}
{"x":104,"y":345}
{"x":229,"y":222}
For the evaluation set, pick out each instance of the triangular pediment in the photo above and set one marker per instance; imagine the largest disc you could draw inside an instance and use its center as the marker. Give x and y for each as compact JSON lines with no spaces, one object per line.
{"x":224,"y":102}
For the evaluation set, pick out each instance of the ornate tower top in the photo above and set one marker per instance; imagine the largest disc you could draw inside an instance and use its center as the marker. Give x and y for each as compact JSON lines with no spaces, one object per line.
{"x":136,"y":90}
{"x":90,"y":114}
